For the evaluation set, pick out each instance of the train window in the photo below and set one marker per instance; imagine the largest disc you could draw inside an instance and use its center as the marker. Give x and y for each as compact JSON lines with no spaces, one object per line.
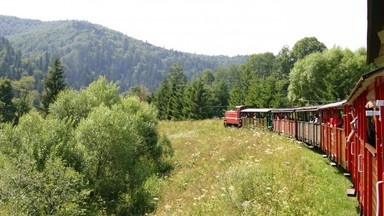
{"x":371,"y":134}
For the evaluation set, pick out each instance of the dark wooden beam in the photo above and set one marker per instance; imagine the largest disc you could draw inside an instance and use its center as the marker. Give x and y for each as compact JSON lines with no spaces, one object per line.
{"x":375,"y":24}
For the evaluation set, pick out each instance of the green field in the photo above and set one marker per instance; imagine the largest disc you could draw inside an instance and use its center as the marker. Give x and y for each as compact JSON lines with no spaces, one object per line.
{"x":230,"y":171}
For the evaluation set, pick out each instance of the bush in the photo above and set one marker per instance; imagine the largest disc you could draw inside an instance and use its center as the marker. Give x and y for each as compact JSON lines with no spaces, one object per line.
{"x":95,"y":153}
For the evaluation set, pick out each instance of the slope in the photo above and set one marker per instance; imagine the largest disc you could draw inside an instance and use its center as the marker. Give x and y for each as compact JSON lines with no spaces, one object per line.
{"x":88,"y":51}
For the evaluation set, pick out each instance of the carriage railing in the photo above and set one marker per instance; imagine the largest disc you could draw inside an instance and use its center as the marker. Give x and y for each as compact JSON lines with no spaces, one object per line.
{"x":285,"y":126}
{"x":255,"y":122}
{"x":309,"y":133}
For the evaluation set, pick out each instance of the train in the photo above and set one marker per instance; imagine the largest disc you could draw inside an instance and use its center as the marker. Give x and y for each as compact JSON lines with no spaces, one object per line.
{"x":348,"y":132}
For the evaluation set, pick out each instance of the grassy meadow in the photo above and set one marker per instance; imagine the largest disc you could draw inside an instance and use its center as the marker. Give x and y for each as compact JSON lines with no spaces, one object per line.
{"x":230,"y":171}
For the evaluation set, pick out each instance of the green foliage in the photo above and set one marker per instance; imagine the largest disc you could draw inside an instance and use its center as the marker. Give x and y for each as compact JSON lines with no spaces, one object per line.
{"x":324,"y":77}
{"x":37,"y":180}
{"x":284,"y":61}
{"x":10,"y":60}
{"x":54,"y":82}
{"x":26,"y":97}
{"x":76,"y":105}
{"x":262,"y":81}
{"x":219,"y":92}
{"x":305,"y":47}
{"x":110,"y":146}
{"x":88,"y":51}
{"x":162,"y":101}
{"x":203,"y":97}
{"x":238,"y":88}
{"x":196,"y":100}
{"x":95,"y":153}
{"x":169,"y":97}
{"x":7,"y":108}
{"x":260,"y":65}
{"x":177,"y":82}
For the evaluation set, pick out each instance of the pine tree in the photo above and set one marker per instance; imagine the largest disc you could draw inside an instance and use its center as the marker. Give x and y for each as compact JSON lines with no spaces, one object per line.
{"x":177,"y":83}
{"x":54,"y":82}
{"x":162,"y":100}
{"x":7,"y":109}
{"x":196,"y":100}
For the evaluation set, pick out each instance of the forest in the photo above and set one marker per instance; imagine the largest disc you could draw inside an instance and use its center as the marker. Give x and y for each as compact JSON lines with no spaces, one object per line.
{"x":88,"y":51}
{"x":308,"y":74}
{"x":79,"y":113}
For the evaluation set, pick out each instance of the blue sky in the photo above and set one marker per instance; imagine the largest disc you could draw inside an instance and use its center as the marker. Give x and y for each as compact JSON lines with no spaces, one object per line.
{"x":212,"y":27}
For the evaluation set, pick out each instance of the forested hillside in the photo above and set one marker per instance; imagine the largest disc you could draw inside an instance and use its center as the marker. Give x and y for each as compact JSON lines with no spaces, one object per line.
{"x":181,"y":85}
{"x":88,"y":51}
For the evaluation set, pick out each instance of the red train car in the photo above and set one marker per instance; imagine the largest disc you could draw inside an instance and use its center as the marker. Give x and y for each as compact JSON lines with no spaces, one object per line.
{"x":284,"y":121}
{"x":332,"y":129}
{"x":365,"y":107}
{"x":308,"y":125}
{"x":256,"y":117}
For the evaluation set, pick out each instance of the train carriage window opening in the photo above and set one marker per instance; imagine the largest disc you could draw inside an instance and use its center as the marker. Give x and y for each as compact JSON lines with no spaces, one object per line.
{"x":300,"y":116}
{"x":353,"y":128}
{"x":371,"y":133}
{"x":370,"y":123}
{"x":339,"y":119}
{"x":317,"y":119}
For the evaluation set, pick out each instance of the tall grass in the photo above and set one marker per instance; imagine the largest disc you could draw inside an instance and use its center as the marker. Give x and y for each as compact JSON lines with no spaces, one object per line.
{"x":230,"y":171}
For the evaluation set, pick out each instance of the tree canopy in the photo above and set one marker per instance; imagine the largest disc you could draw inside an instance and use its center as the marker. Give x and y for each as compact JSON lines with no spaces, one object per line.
{"x":7,"y":108}
{"x":100,"y":158}
{"x":325,"y":77}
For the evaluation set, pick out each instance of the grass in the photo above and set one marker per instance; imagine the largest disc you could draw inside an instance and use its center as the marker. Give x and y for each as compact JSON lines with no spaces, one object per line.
{"x":230,"y":171}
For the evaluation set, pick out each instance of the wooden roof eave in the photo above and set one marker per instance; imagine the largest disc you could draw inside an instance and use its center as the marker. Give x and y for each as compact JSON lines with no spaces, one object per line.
{"x":282,"y":110}
{"x":333,"y":105}
{"x":307,"y":109}
{"x":363,"y":83}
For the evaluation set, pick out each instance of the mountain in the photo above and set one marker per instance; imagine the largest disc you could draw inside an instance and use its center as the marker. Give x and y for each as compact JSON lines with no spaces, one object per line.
{"x":88,"y":50}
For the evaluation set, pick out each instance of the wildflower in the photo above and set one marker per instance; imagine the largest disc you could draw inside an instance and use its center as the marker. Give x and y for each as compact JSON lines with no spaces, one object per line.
{"x":167,"y":207}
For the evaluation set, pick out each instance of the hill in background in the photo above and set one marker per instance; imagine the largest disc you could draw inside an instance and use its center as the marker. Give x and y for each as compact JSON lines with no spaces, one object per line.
{"x":88,"y":51}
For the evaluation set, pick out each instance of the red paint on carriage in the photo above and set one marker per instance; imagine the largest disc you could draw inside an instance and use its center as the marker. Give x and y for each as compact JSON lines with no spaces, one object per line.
{"x":368,"y":159}
{"x":233,"y":117}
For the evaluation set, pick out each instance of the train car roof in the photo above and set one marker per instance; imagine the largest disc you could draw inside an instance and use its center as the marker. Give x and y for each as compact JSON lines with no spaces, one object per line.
{"x":282,"y":110}
{"x":365,"y":80}
{"x":256,"y":110}
{"x":333,"y":105}
{"x":307,"y":108}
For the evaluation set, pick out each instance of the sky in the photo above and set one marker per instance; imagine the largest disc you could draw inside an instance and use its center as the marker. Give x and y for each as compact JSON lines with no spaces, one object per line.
{"x":212,"y":27}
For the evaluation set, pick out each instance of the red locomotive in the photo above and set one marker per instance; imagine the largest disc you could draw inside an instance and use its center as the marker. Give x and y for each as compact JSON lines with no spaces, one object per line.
{"x":233,"y":117}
